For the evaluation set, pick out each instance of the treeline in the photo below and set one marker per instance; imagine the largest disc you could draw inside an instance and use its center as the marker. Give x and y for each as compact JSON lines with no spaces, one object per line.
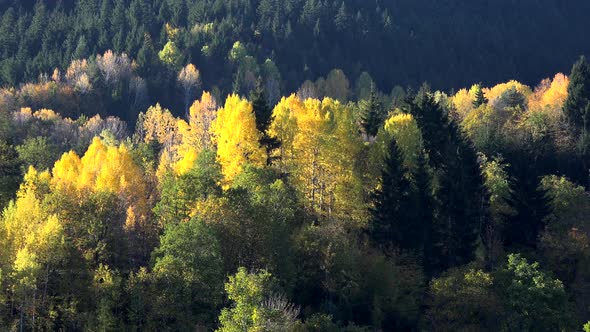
{"x":447,"y":44}
{"x":413,"y":211}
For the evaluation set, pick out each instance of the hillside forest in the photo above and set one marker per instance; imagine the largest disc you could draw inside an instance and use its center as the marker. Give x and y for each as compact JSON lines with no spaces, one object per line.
{"x":169,"y":165}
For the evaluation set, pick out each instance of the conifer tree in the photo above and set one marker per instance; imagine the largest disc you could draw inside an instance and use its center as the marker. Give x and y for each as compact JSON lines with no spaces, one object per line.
{"x":389,"y":223}
{"x":264,"y":118}
{"x":460,"y":195}
{"x":577,"y":105}
{"x":479,"y":98}
{"x":371,"y":113}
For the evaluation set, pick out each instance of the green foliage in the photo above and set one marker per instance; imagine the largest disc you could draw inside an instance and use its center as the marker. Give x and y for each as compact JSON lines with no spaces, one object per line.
{"x":38,"y":152}
{"x":464,"y":300}
{"x":187,"y":269}
{"x":577,"y":105}
{"x":534,"y":301}
{"x":255,"y":305}
{"x":10,"y":173}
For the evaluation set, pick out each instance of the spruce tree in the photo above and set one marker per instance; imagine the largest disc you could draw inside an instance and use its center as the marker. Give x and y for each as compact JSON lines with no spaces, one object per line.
{"x":371,"y":113}
{"x":423,"y":216}
{"x":460,"y":196}
{"x":578,"y":101}
{"x":532,"y":206}
{"x":263,"y":114}
{"x":389,"y":222}
{"x":479,"y":98}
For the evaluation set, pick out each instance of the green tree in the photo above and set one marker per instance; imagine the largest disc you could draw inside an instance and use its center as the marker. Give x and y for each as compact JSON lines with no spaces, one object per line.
{"x":577,"y":104}
{"x":534,"y":301}
{"x":389,"y":227}
{"x":188,"y":275}
{"x":255,"y":305}
{"x":38,"y":152}
{"x":264,"y":117}
{"x":10,"y":173}
{"x":372,"y":113}
{"x":479,"y":97}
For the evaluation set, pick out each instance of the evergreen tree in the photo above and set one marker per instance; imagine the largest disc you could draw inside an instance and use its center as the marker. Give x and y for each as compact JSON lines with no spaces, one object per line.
{"x":460,"y":195}
{"x":424,"y":217}
{"x":577,"y":105}
{"x":479,"y":98}
{"x":263,"y":114}
{"x":10,"y":174}
{"x":532,"y":206}
{"x":371,"y":113}
{"x":389,"y":227}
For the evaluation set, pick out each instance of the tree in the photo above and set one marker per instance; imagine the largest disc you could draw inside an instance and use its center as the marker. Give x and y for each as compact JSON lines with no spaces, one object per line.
{"x":460,"y":193}
{"x":195,"y":136}
{"x":38,"y":152}
{"x":389,"y":227}
{"x":479,"y":97}
{"x":237,"y":138}
{"x":9,"y":172}
{"x":256,"y":306}
{"x":533,"y":299}
{"x":264,"y":117}
{"x":577,"y":104}
{"x":188,"y":271}
{"x":337,"y":85}
{"x":372,"y":113}
{"x":189,"y":80}
{"x":464,"y":300}
{"x":171,"y":56}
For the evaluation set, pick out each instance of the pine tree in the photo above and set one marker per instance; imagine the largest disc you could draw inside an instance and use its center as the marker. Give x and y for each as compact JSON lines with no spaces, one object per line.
{"x":371,"y":113}
{"x":577,"y":104}
{"x":479,"y":98}
{"x":389,"y":225}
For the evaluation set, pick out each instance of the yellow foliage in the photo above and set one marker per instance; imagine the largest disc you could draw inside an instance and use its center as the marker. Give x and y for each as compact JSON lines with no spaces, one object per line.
{"x":160,"y":125}
{"x":320,"y":142}
{"x":404,"y":129}
{"x":234,"y":131}
{"x":102,"y":168}
{"x":550,"y":95}
{"x":496,"y":92}
{"x":195,"y":136}
{"x":463,"y":102}
{"x":284,"y":125}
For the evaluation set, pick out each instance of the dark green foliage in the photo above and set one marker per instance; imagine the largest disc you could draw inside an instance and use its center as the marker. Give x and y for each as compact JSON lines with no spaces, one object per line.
{"x":577,"y":105}
{"x":390,"y":228}
{"x":264,"y":117}
{"x":460,"y":195}
{"x":308,"y":37}
{"x":532,"y":206}
{"x":479,"y":98}
{"x":372,"y":113}
{"x":10,"y":173}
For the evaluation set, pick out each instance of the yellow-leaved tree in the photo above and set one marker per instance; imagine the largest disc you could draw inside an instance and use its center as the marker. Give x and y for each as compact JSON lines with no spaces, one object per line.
{"x":238,"y":141}
{"x":497,"y":91}
{"x":195,"y":136}
{"x":284,"y":127}
{"x":32,"y":243}
{"x":320,"y":142}
{"x":104,"y":168}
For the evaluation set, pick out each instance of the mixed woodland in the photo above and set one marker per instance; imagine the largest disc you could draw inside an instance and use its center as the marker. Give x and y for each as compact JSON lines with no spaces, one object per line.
{"x":181,"y":165}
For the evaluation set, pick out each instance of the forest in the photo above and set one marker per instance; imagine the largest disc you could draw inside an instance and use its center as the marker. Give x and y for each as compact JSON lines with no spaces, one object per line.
{"x":184,"y":165}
